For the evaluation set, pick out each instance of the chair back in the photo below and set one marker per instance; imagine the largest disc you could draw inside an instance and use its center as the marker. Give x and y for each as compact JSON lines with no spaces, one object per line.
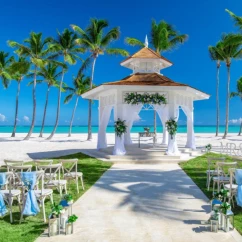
{"x":212,"y":161}
{"x":72,"y":168}
{"x":224,"y":167}
{"x":42,"y":162}
{"x":52,"y":170}
{"x":13,"y":163}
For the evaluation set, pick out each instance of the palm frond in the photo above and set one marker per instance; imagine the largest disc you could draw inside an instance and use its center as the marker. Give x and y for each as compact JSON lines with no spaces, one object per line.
{"x":116,"y":51}
{"x":134,"y":42}
{"x":237,"y":19}
{"x":68,"y":98}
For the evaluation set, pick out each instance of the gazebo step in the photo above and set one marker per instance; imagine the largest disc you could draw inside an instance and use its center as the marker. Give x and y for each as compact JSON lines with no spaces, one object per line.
{"x":141,"y":157}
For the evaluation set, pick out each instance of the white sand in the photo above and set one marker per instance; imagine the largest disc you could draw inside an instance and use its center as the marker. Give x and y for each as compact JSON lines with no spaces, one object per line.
{"x":38,"y":148}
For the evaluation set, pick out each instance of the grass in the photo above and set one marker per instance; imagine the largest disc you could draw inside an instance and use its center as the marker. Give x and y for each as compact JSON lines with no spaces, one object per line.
{"x":196,"y":170}
{"x":32,"y":226}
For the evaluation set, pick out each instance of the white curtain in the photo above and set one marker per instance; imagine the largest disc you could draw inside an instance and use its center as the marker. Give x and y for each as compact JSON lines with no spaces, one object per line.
{"x":172,"y":148}
{"x":129,"y":114}
{"x":119,"y":148}
{"x":190,"y":130}
{"x":103,"y":122}
{"x":163,"y":112}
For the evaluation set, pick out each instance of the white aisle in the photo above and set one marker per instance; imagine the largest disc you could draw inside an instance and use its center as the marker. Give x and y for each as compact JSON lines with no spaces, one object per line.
{"x":143,"y":203}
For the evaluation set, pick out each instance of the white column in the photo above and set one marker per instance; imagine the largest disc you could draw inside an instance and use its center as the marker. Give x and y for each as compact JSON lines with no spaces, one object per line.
{"x":190,"y":126}
{"x":104,"y":116}
{"x":119,"y":148}
{"x":172,"y":148}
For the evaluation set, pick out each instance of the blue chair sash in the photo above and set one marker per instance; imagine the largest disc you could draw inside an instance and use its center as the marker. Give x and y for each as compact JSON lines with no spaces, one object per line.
{"x":238,"y":178}
{"x":3,"y":209}
{"x":31,"y":205}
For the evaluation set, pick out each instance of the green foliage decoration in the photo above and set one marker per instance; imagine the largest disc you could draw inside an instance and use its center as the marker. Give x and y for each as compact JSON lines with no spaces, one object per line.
{"x":135,"y":98}
{"x":120,"y":127}
{"x":171,"y":126}
{"x":72,"y":218}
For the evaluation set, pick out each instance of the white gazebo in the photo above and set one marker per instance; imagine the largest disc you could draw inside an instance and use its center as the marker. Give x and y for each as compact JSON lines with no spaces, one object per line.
{"x":146,"y":78}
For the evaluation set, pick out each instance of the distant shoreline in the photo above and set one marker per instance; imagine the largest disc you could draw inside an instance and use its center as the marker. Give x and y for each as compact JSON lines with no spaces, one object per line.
{"x":81,"y":129}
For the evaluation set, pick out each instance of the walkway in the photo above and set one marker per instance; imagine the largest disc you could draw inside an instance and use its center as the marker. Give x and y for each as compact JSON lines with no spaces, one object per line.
{"x":143,"y":203}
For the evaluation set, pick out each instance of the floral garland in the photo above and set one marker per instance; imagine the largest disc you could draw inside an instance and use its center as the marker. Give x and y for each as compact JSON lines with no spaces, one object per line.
{"x":171,"y":126}
{"x":146,"y":98}
{"x":120,"y":127}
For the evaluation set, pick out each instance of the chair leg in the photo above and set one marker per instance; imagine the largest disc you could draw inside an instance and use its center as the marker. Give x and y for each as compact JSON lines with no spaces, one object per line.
{"x":65,"y":188}
{"x":213,"y":187}
{"x":77,"y":187}
{"x":51,"y":198}
{"x":82,"y":183}
{"x":10,"y":202}
{"x":43,"y":208}
{"x":22,"y":211}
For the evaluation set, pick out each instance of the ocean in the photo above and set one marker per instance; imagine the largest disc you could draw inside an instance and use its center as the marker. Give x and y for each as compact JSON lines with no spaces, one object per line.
{"x":110,"y":129}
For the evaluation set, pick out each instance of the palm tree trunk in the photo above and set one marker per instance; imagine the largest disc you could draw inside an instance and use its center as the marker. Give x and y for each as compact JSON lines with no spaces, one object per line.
{"x":217,"y":99}
{"x":34,"y":106}
{"x":240,"y":130}
{"x":58,"y":106}
{"x":89,"y":136}
{"x":73,"y":114}
{"x":16,"y":111}
{"x":227,"y":104}
{"x":46,"y":104}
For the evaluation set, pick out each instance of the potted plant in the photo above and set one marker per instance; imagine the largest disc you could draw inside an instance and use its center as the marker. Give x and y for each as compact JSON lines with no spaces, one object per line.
{"x":69,"y":225}
{"x":68,"y":198}
{"x":56,"y":210}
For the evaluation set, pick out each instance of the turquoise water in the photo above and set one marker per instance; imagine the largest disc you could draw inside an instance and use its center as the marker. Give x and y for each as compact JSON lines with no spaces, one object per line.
{"x":110,"y":129}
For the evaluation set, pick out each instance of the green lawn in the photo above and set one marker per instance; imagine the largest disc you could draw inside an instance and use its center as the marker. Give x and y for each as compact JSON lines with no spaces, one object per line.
{"x":32,"y":227}
{"x":196,"y":169}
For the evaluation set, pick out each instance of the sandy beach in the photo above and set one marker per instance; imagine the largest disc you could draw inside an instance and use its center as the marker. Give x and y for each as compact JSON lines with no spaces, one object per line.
{"x":39,"y":148}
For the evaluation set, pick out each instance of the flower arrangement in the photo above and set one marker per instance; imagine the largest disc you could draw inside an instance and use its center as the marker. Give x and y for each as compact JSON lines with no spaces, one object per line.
{"x":134,"y":98}
{"x":221,"y":195}
{"x":208,"y":147}
{"x":72,"y":218}
{"x":56,"y":210}
{"x":147,"y":129}
{"x":224,"y":207}
{"x":120,"y":127}
{"x":171,"y":125}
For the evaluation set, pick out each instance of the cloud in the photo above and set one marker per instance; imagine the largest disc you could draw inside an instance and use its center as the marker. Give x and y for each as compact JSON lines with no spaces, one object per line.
{"x":2,"y":118}
{"x":26,"y":119}
{"x":235,"y":121}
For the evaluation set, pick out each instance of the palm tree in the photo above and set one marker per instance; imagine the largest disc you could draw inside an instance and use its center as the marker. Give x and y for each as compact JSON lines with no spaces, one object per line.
{"x":18,"y":70}
{"x":81,"y":85}
{"x":230,"y":49}
{"x":94,"y":40}
{"x":214,"y":52}
{"x":238,"y":93}
{"x":65,"y":45}
{"x":34,"y":48}
{"x":237,"y":19}
{"x":49,"y":74}
{"x":164,"y":37}
{"x":5,"y":61}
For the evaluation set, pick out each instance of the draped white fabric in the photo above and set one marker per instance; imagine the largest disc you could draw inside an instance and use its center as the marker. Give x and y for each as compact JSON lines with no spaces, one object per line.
{"x":119,"y":148}
{"x":129,"y":114}
{"x":103,"y":122}
{"x":163,"y":112}
{"x":172,"y":148}
{"x":190,"y":130}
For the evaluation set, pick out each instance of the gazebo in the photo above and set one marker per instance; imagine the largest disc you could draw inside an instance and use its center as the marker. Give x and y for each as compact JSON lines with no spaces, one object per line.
{"x":145,"y":79}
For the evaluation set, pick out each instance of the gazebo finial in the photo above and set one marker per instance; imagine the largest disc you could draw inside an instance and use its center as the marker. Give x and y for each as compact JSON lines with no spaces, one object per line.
{"x":146,"y":41}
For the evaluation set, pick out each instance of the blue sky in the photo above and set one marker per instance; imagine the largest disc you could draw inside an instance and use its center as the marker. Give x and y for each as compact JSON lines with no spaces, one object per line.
{"x":204,"y":22}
